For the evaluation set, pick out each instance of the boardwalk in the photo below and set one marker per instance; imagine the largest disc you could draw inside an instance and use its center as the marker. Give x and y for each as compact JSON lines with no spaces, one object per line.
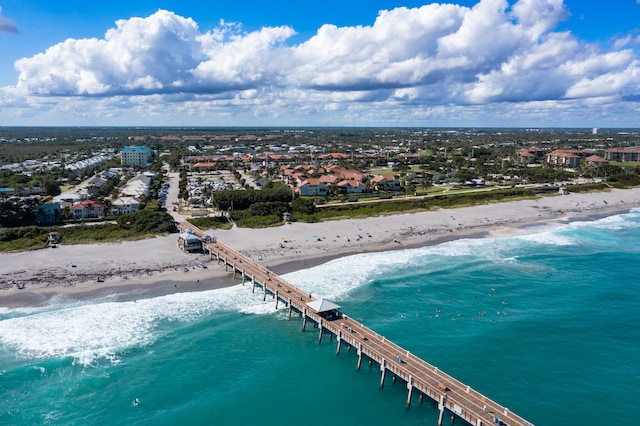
{"x":419,"y":375}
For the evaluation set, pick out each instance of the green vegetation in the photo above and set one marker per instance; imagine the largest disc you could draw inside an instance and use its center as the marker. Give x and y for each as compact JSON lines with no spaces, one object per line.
{"x":589,"y":187}
{"x":348,"y":210}
{"x":245,"y":219}
{"x":626,"y":165}
{"x":241,"y":200}
{"x":619,"y":178}
{"x":212,"y":222}
{"x":134,"y":226}
{"x":303,"y":210}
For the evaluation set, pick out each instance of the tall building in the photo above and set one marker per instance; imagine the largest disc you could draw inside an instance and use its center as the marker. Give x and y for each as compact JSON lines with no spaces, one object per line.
{"x":135,"y":156}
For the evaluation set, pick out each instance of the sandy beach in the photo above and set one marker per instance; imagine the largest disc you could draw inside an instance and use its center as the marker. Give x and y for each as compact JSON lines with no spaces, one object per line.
{"x":157,"y":266}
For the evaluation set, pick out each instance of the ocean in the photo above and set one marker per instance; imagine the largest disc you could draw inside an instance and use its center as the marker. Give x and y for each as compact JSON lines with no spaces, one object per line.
{"x":545,"y":322}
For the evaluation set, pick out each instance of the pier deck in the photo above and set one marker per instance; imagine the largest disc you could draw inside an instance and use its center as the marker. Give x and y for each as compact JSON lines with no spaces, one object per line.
{"x":449,"y":393}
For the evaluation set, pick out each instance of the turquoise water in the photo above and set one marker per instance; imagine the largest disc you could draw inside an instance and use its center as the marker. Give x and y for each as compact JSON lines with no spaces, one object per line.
{"x":545,"y":323}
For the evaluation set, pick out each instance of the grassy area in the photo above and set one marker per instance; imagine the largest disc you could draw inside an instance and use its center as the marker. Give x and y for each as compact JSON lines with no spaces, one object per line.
{"x":33,"y":238}
{"x":625,"y":164}
{"x":210,"y":222}
{"x":383,"y":170}
{"x":589,"y":187}
{"x":346,"y":210}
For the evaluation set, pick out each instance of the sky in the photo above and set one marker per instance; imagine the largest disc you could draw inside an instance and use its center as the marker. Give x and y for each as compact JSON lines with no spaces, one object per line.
{"x":353,"y":63}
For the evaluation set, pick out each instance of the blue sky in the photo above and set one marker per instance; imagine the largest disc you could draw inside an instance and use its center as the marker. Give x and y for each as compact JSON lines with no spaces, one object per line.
{"x":526,"y":63}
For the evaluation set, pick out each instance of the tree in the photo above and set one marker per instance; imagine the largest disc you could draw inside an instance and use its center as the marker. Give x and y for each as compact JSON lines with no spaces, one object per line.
{"x":51,"y":187}
{"x":303,"y":205}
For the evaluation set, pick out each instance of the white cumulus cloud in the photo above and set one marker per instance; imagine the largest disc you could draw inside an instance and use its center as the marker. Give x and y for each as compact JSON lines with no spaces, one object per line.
{"x":419,"y":60}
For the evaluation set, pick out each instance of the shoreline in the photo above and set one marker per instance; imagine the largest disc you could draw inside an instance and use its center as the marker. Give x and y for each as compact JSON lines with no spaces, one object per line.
{"x":156,"y":267}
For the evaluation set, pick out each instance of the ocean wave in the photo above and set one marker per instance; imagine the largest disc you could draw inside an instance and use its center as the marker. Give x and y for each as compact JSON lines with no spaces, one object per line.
{"x":336,"y":279}
{"x":550,"y":238}
{"x":629,"y":220}
{"x":91,"y":331}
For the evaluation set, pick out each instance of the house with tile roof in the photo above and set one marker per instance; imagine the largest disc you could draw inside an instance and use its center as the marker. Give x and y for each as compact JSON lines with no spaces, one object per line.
{"x":312,"y":187}
{"x":87,"y":209}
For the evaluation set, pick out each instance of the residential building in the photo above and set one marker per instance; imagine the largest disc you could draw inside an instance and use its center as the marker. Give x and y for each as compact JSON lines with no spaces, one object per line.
{"x":69,"y":197}
{"x":312,"y":187}
{"x":596,"y":161}
{"x":351,"y":187}
{"x":125,"y":205}
{"x":567,"y":157}
{"x":87,"y":209}
{"x":137,"y":186}
{"x":386,"y":183}
{"x":135,"y":156}
{"x":48,"y":213}
{"x":623,"y":155}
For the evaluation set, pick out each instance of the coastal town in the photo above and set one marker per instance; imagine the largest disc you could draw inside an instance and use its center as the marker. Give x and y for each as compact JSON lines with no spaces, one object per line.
{"x":120,"y":187}
{"x":363,"y":212}
{"x":112,"y":176}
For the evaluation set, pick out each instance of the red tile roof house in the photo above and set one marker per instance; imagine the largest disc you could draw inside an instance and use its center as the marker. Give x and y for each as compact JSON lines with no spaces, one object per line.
{"x":568,"y":157}
{"x":312,"y":188}
{"x":329,"y":179}
{"x":526,"y":156}
{"x":386,"y":183}
{"x":596,"y":161}
{"x":352,"y":187}
{"x":87,"y":209}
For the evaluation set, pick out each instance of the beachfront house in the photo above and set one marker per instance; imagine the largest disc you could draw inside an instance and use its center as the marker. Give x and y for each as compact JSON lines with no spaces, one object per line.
{"x":137,"y":186}
{"x":386,"y":183}
{"x":48,"y":213}
{"x":596,"y":161}
{"x":567,"y":157}
{"x":351,"y":187}
{"x":312,"y":187}
{"x":87,"y":209}
{"x":620,"y":154}
{"x":125,"y":205}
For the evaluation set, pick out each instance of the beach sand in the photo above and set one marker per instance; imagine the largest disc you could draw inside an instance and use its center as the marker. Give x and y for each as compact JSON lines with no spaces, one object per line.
{"x":157,"y":266}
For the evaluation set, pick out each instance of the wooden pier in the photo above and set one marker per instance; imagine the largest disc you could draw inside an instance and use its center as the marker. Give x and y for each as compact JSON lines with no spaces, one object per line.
{"x":420,"y":376}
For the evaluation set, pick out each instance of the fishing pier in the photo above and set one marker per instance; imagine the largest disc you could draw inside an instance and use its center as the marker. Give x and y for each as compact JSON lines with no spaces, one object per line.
{"x":421,"y":378}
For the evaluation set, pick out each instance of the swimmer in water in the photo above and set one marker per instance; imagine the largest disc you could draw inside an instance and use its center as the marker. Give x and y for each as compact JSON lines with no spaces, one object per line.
{"x":136,"y":402}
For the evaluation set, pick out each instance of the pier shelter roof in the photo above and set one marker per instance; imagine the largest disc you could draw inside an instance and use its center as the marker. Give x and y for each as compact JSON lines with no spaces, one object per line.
{"x":323,"y":305}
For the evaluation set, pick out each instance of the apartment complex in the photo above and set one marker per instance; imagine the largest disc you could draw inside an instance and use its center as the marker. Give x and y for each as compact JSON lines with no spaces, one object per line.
{"x":135,"y":156}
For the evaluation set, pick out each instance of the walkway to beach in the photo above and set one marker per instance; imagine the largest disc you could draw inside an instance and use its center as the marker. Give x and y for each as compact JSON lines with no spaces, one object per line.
{"x":420,"y":376}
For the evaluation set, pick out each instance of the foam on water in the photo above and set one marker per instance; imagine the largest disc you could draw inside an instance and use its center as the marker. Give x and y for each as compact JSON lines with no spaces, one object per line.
{"x":626,"y":221}
{"x":337,"y":279}
{"x":90,"y":331}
